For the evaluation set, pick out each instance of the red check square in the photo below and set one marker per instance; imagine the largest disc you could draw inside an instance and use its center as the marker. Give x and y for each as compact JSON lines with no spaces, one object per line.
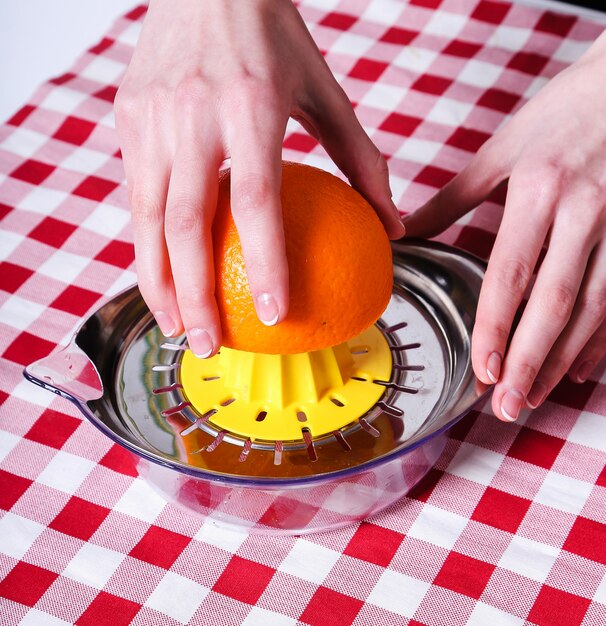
{"x":63,"y":78}
{"x":601,"y":481}
{"x":498,"y":100}
{"x":52,"y":232}
{"x":492,"y":12}
{"x":331,"y":607}
{"x":118,"y":253}
{"x":340,"y":21}
{"x":399,"y":36}
{"x":502,"y":510}
{"x":428,"y":4}
{"x":5,"y":209}
{"x":75,"y":300}
{"x":424,"y":488}
{"x":12,"y":487}
{"x":27,"y":348}
{"x":467,"y":139}
{"x":136,"y":13}
{"x":476,"y":241}
{"x":244,"y":580}
{"x":367,"y":69}
{"x":536,"y":447}
{"x":587,"y":538}
{"x":13,"y":276}
{"x":554,"y":607}
{"x":74,"y":130}
{"x":435,"y":85}
{"x":160,"y":547}
{"x":374,"y":544}
{"x":400,"y":124}
{"x":555,"y":23}
{"x":32,"y":171}
{"x":109,"y":610}
{"x":107,"y":93}
{"x":460,"y":48}
{"x":21,"y":115}
{"x":528,"y":62}
{"x":53,"y":428}
{"x":120,"y":460}
{"x":434,"y":176}
{"x":79,"y":518}
{"x":26,"y":583}
{"x":464,"y":574}
{"x":572,"y":395}
{"x":95,"y":188}
{"x":300,"y":142}
{"x":102,"y":46}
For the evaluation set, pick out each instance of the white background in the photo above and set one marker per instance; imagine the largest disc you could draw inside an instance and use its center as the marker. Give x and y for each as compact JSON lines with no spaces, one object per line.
{"x":40,"y":39}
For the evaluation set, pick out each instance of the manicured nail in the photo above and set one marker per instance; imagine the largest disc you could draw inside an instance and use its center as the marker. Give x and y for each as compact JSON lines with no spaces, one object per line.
{"x":267,"y":309}
{"x":493,"y":367}
{"x":537,"y":394}
{"x":511,"y":405}
{"x":200,"y":342}
{"x":585,"y":371}
{"x":165,"y":322}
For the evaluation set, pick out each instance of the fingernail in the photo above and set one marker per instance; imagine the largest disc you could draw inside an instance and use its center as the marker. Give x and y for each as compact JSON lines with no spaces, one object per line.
{"x":200,"y":342}
{"x":511,"y":405}
{"x":493,"y":367}
{"x":396,"y":213}
{"x":165,"y":322}
{"x":267,"y":309}
{"x":537,"y":394}
{"x":585,"y":371}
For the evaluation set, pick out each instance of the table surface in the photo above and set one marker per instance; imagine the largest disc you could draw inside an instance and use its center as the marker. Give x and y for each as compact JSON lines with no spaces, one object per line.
{"x":508,"y":528}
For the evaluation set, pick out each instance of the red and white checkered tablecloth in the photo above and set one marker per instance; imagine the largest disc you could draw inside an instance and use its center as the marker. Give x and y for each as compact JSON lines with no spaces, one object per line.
{"x":507,"y":529}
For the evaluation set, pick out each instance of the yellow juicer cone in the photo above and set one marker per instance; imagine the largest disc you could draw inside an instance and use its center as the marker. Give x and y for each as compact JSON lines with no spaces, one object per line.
{"x":276,"y":397}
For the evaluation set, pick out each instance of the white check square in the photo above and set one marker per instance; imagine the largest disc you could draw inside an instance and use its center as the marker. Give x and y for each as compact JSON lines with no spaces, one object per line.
{"x":570,"y":51}
{"x":7,"y":442}
{"x":141,"y":501}
{"x":352,"y":45}
{"x":103,"y":70}
{"x":93,"y":565}
{"x":417,"y":60}
{"x":383,"y":97}
{"x":475,"y":463}
{"x":63,"y":266}
{"x":563,"y":493}
{"x":63,"y":100}
{"x":589,"y":430}
{"x":20,"y":313}
{"x":34,"y":617}
{"x":17,"y":534}
{"x":479,"y":73}
{"x":42,"y":200}
{"x":84,"y":161}
{"x":437,"y":526}
{"x":449,"y":112}
{"x":34,"y":394}
{"x":529,"y":558}
{"x":263,"y":617}
{"x":445,"y":24}
{"x":309,"y":561}
{"x":418,"y":150}
{"x":66,"y":472}
{"x":398,"y":593}
{"x":24,"y":142}
{"x":225,"y":538}
{"x":107,"y":220}
{"x":383,"y":12}
{"x":131,"y":34}
{"x":509,"y":38}
{"x":8,"y":243}
{"x":484,"y":614}
{"x":177,"y":596}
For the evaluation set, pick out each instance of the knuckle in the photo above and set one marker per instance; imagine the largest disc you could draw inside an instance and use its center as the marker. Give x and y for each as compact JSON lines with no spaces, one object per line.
{"x":183,"y":219}
{"x":251,"y":193}
{"x":558,"y":302}
{"x":514,"y":275}
{"x":126,"y":104}
{"x":190,"y":93}
{"x":525,"y":371}
{"x":145,"y":210}
{"x":593,"y":304}
{"x":196,"y":297}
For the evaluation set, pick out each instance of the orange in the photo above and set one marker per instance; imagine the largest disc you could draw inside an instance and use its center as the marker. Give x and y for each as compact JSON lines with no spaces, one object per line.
{"x":339,"y":261}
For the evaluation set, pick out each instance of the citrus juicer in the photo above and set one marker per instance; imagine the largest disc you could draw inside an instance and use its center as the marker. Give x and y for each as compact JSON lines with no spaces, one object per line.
{"x":293,"y":443}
